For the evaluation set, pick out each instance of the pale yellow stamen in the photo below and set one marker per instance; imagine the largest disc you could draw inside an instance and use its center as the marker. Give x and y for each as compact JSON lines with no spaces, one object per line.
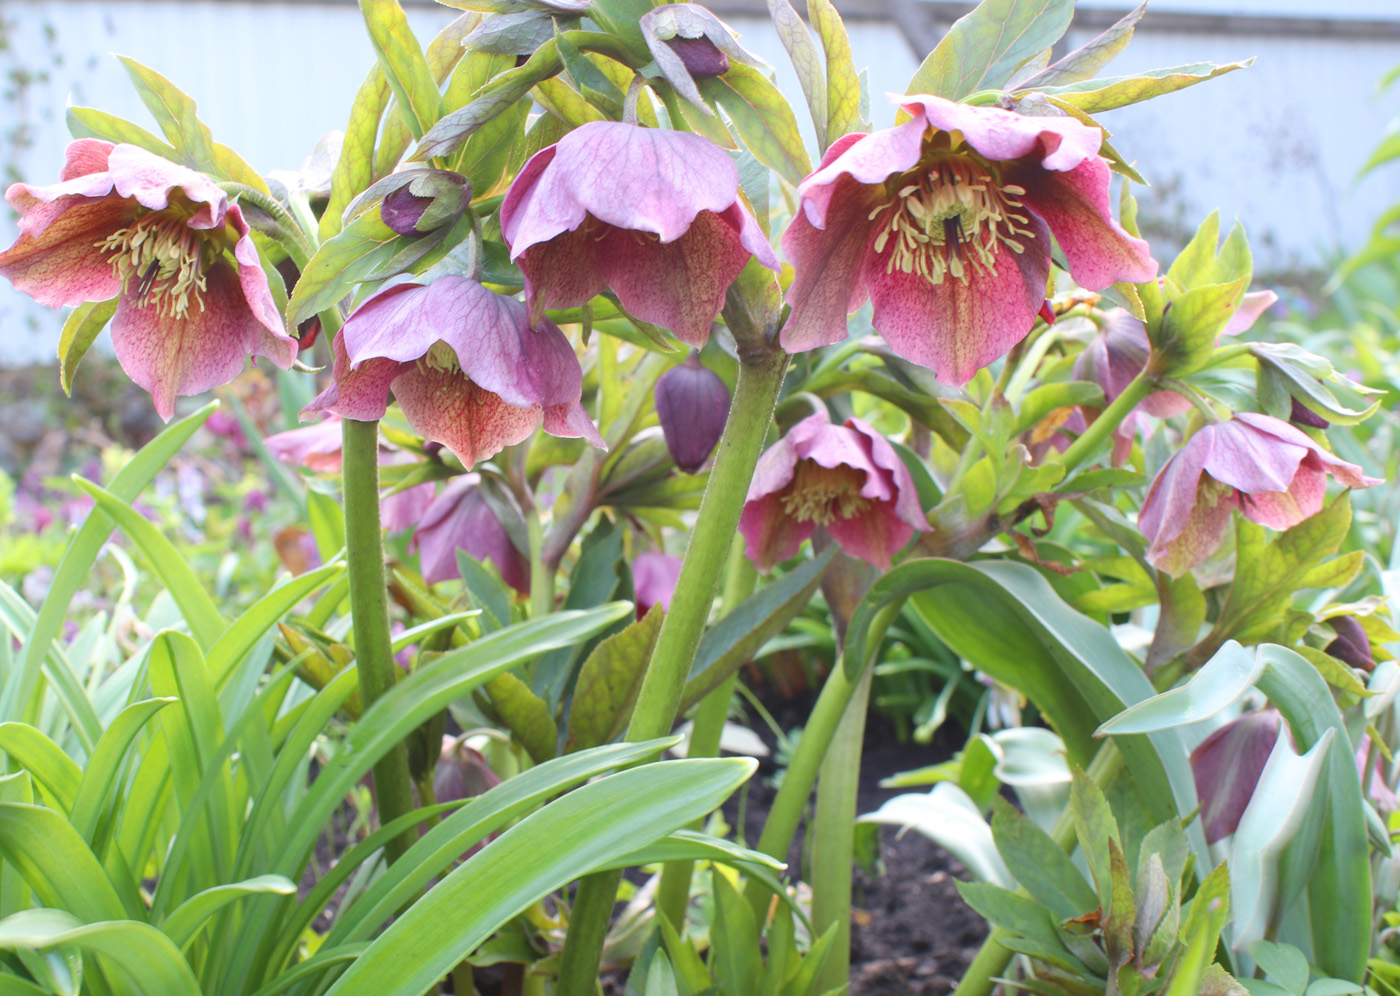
{"x":163,"y":261}
{"x":441,"y":356}
{"x":824,"y":494}
{"x":950,"y":220}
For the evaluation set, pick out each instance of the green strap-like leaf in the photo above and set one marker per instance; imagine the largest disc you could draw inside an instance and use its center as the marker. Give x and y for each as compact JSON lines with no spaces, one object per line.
{"x":982,"y":49}
{"x":56,"y":863}
{"x":402,"y":60}
{"x":45,"y":760}
{"x":104,"y":768}
{"x":261,"y":616}
{"x":147,"y":955}
{"x":183,"y":924}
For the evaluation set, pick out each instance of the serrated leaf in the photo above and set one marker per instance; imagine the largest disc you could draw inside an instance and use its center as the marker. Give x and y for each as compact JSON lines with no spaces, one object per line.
{"x":80,"y":331}
{"x":89,"y":122}
{"x":174,"y":111}
{"x":354,"y":171}
{"x":762,"y":118}
{"x":608,"y":682}
{"x":1093,"y":96}
{"x":526,"y":714}
{"x":401,"y":59}
{"x":341,"y":263}
{"x":983,"y":48}
{"x":1085,"y":62}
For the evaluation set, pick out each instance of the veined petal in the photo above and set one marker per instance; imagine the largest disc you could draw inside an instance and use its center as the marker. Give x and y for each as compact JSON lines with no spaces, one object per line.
{"x":180,"y":356}
{"x":1059,"y":143}
{"x":361,"y":392}
{"x":535,"y":210}
{"x":395,"y":324}
{"x":472,"y":422}
{"x":770,"y":534}
{"x":906,"y":496}
{"x":1285,"y":509}
{"x":954,"y":328}
{"x":63,"y":265}
{"x":1172,"y":496}
{"x":1202,"y":532}
{"x":1252,"y":305}
{"x":1246,"y":457}
{"x":679,"y":285}
{"x":563,"y":272}
{"x":277,"y":345}
{"x":866,"y":159}
{"x":149,"y":180}
{"x":874,"y":536}
{"x":1075,"y":205}
{"x":570,"y":421}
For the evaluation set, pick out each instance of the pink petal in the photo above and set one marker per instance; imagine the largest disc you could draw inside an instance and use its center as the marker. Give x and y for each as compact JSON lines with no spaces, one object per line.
{"x":679,"y":285}
{"x":1254,"y":304}
{"x":85,"y":156}
{"x":1285,"y":509}
{"x":570,"y":421}
{"x":315,"y":447}
{"x":149,"y":180}
{"x":460,"y":518}
{"x":1060,"y":143}
{"x":906,"y":496}
{"x":183,"y":356}
{"x":448,"y":408}
{"x":1251,"y":459}
{"x":1200,"y":536}
{"x":827,"y":284}
{"x":958,"y":329}
{"x":360,"y":393}
{"x":403,"y":509}
{"x":563,"y":272}
{"x":654,"y":577}
{"x":277,"y":345}
{"x":61,"y":265}
{"x":770,"y":534}
{"x":866,"y":159}
{"x":1347,"y":473}
{"x":1172,"y":495}
{"x":1075,"y":205}
{"x":395,"y":324}
{"x":775,"y":467}
{"x":874,"y":536}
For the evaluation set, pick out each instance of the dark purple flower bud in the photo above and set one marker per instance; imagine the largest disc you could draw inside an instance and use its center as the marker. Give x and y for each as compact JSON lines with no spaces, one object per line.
{"x":425,"y":200}
{"x":702,"y":59}
{"x":1351,"y":646}
{"x":1227,"y":766}
{"x":1302,"y":415}
{"x":692,"y":404}
{"x":462,"y":773}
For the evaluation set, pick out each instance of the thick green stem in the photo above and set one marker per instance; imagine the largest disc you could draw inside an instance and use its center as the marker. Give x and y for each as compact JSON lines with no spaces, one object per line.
{"x":1087,"y":445}
{"x":673,"y":892}
{"x":801,"y":774}
{"x":369,"y":605}
{"x":992,"y":958}
{"x":833,"y":836}
{"x":658,"y":700}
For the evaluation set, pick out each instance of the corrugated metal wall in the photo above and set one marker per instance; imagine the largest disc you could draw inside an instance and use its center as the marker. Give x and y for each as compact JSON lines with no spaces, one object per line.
{"x":1277,"y":146}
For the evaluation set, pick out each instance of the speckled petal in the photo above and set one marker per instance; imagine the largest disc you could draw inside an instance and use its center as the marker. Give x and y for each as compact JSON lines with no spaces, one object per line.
{"x":62,"y":265}
{"x":906,"y":497}
{"x":1251,"y":458}
{"x":770,"y":534}
{"x":360,"y":393}
{"x":866,"y":159}
{"x":315,"y":447}
{"x":469,"y":420}
{"x":873,"y":536}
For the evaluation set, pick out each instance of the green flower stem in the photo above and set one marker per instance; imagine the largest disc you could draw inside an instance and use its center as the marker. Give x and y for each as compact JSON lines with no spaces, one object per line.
{"x":1087,"y":445}
{"x":802,"y":770}
{"x":673,"y":892}
{"x":833,"y":836}
{"x":289,"y":231}
{"x":992,"y":959}
{"x":369,"y":605}
{"x":658,"y":700}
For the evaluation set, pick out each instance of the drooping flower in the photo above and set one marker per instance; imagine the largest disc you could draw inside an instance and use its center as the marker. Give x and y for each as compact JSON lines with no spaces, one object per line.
{"x":654,"y":577}
{"x":944,"y":222}
{"x":692,"y":405}
{"x":192,"y":300}
{"x":461,"y":518}
{"x":652,"y":214}
{"x":846,"y":479}
{"x":465,"y":365}
{"x":1227,"y":765}
{"x":1267,"y":469}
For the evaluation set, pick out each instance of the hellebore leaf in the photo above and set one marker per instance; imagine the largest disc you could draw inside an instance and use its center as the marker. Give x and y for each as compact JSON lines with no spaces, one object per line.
{"x":1085,"y":62}
{"x":526,"y":714}
{"x":80,"y":331}
{"x":983,"y":48}
{"x":1097,"y":95}
{"x":842,"y":83}
{"x":1219,"y":683}
{"x":806,"y":60}
{"x":401,"y":59}
{"x":608,"y":682}
{"x":762,"y":118}
{"x":174,"y":111}
{"x":1040,"y":865}
{"x":89,"y":122}
{"x":354,"y":171}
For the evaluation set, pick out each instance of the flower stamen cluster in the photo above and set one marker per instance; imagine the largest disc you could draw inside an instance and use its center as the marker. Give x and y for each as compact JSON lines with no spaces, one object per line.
{"x":951,"y":206}
{"x":159,"y":260}
{"x":824,"y":494}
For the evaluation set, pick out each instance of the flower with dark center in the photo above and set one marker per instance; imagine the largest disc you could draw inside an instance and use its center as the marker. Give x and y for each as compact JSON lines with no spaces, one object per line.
{"x":944,"y":222}
{"x":846,"y":479}
{"x":193,"y":302}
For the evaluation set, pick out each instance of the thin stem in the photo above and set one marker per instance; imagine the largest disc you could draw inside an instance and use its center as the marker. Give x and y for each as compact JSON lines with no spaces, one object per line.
{"x":1088,"y":443}
{"x":369,"y":604}
{"x":833,"y":836}
{"x":673,"y":892}
{"x":658,"y":700}
{"x":289,"y":231}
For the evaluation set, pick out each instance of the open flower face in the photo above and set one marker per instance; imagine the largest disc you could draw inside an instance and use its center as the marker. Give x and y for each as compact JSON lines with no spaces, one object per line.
{"x":654,"y":215}
{"x":1273,"y":473}
{"x":464,"y":364}
{"x":944,"y":222}
{"x":846,"y":479}
{"x":193,"y":301}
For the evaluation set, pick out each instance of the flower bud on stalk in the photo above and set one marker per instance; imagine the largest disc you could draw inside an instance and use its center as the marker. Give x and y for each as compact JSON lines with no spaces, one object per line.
{"x":692,"y":404}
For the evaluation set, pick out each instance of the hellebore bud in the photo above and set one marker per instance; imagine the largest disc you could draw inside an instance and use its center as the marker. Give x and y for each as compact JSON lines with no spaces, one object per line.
{"x":702,"y":59}
{"x":1351,"y":646}
{"x":421,"y":201}
{"x":692,"y":404}
{"x":1302,"y":415}
{"x":1227,"y":766}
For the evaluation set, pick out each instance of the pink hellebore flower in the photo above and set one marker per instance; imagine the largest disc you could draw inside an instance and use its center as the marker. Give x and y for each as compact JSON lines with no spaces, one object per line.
{"x":944,"y":222}
{"x":654,"y":577}
{"x":123,"y":223}
{"x":460,"y":518}
{"x":1272,"y":472}
{"x":465,"y":365}
{"x":652,"y":214}
{"x":845,"y":478}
